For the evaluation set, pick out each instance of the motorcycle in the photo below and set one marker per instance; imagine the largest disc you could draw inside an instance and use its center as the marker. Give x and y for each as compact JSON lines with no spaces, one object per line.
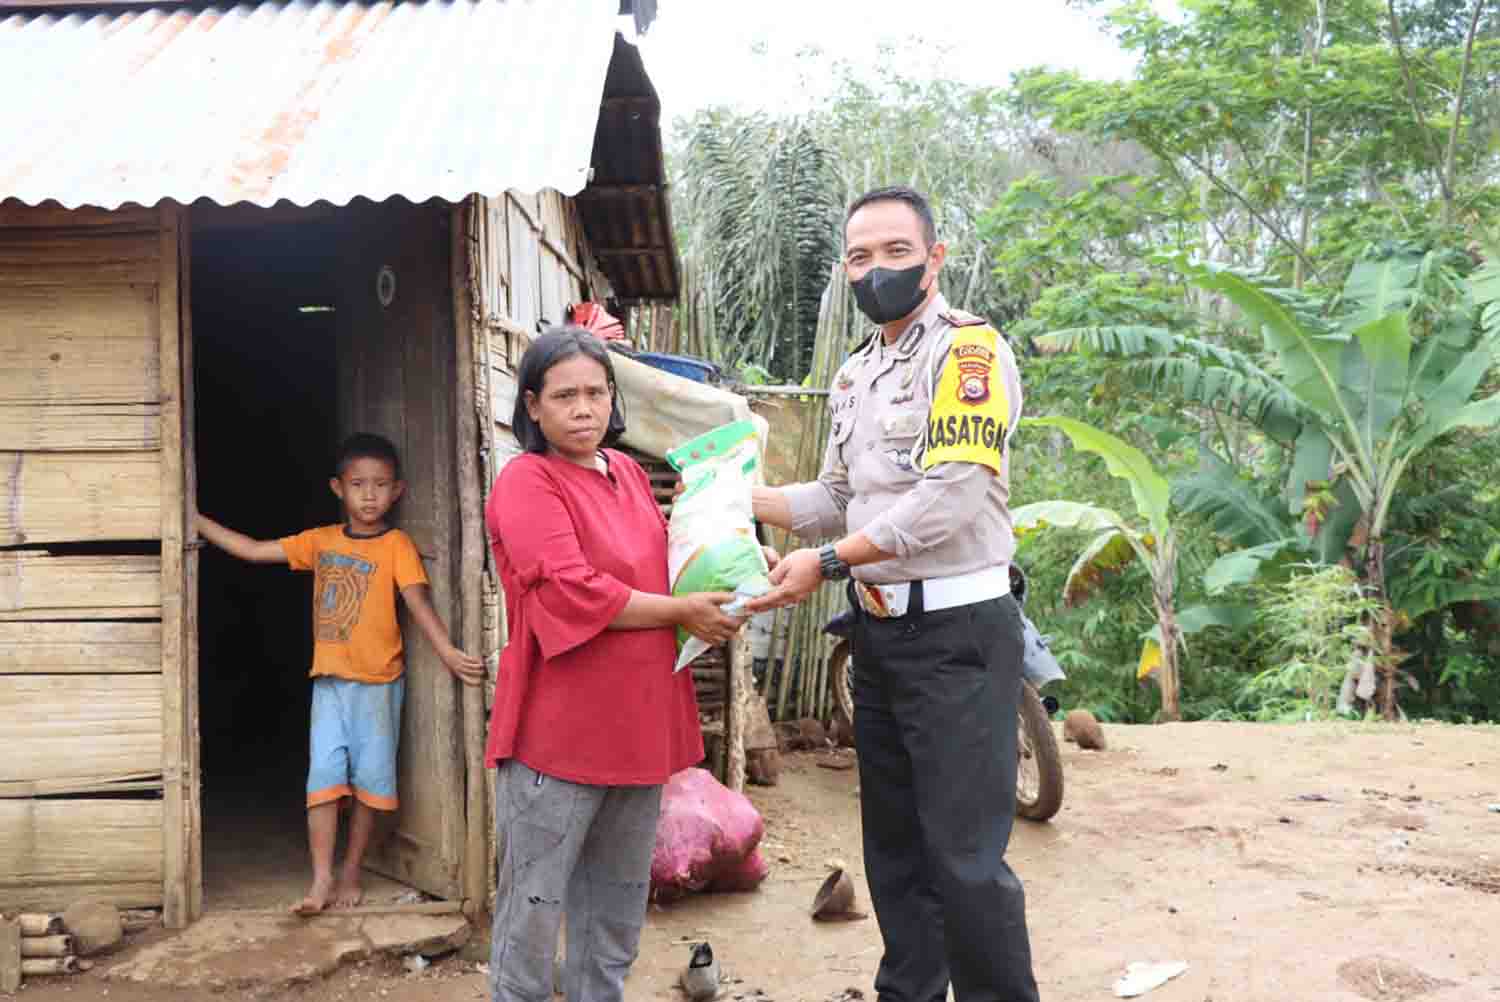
{"x":1039,"y":773}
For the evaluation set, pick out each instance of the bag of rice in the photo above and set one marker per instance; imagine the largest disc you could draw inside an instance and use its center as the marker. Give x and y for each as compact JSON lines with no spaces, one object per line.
{"x":711,"y":544}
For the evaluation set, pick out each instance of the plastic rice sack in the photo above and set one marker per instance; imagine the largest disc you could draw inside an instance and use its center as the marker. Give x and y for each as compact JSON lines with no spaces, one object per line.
{"x":707,"y":838}
{"x":711,"y":544}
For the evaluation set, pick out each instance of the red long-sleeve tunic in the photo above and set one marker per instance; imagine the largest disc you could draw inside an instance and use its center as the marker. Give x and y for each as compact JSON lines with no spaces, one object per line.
{"x":573,"y":699}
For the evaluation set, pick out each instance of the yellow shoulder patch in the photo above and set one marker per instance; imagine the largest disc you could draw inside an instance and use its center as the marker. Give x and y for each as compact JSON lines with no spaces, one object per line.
{"x":970,"y":408}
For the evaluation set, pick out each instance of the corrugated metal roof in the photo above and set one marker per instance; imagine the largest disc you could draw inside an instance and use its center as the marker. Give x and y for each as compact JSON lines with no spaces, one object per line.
{"x":302,"y":101}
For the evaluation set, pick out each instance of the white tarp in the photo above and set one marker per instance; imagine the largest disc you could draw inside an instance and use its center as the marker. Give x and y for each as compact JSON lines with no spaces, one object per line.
{"x":663,"y":410}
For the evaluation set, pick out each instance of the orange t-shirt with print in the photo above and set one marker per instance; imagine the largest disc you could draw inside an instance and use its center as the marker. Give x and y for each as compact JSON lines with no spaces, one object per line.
{"x":355,"y":632}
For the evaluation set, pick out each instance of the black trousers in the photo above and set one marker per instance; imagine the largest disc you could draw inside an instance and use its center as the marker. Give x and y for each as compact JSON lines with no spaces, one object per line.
{"x":935,"y":710}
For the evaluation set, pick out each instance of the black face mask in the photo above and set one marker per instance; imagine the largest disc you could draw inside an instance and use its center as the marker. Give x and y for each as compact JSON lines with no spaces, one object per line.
{"x":886,"y":294}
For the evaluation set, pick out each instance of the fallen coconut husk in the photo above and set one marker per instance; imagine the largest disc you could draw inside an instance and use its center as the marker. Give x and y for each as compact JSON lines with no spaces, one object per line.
{"x":1083,"y":729}
{"x":835,"y":899}
{"x":95,"y":925}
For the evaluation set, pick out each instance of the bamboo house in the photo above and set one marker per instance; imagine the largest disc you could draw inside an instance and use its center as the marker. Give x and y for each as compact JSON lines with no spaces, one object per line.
{"x":229,"y":235}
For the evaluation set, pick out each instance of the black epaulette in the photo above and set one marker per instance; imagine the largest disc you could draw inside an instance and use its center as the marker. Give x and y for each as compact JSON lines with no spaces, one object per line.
{"x":962,"y":318}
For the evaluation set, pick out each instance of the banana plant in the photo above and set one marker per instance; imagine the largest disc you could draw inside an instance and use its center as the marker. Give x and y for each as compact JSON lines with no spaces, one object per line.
{"x":1117,"y":541}
{"x":1350,"y":388}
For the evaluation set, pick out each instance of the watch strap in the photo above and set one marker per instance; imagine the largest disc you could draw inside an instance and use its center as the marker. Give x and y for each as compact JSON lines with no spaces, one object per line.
{"x":832,"y":567}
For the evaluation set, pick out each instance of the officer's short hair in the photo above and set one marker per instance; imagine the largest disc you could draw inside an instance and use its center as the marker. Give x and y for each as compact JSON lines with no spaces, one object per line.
{"x":911,"y":197}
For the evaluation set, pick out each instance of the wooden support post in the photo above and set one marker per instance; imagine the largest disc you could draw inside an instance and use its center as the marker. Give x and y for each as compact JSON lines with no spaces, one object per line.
{"x":735,"y":696}
{"x":192,"y":747}
{"x":179,"y":816}
{"x":471,"y":565}
{"x":10,"y":955}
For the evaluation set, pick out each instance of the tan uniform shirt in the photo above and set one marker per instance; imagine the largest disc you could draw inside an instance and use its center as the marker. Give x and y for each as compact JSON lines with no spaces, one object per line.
{"x":951,"y":518}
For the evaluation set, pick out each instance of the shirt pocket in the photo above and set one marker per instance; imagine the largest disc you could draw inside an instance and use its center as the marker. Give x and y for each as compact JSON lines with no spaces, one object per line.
{"x":898,"y":436}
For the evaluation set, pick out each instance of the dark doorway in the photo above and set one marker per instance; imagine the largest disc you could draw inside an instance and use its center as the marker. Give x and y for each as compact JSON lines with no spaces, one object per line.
{"x":266,"y":410}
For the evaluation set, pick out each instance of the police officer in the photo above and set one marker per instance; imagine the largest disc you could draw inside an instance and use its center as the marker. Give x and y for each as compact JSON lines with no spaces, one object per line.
{"x":915,"y":488}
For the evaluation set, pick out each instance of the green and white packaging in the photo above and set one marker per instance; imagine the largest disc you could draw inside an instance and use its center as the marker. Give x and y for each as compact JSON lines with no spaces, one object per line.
{"x":711,"y":544}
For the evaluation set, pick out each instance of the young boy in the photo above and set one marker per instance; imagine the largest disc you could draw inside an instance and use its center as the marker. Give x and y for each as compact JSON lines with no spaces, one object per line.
{"x":357,"y":666}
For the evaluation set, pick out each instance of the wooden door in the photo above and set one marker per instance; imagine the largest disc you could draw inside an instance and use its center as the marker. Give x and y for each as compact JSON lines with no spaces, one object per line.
{"x":396,"y":378}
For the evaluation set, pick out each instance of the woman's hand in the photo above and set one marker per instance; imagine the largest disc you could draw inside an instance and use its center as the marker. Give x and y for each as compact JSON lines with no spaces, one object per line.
{"x":702,"y":617}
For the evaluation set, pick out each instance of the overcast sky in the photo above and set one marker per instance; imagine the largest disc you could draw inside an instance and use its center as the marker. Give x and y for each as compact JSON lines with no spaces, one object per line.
{"x":704,"y":52}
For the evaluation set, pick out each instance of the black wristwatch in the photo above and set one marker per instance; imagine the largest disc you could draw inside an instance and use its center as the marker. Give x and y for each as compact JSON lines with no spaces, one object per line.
{"x":833,"y":568}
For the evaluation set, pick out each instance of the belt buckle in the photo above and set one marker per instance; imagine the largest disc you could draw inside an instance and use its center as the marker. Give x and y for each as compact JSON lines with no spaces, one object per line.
{"x":884,"y":601}
{"x":871,"y":600}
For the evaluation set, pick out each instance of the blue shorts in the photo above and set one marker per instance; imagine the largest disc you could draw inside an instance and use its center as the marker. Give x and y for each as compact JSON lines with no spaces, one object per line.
{"x":355,"y":729}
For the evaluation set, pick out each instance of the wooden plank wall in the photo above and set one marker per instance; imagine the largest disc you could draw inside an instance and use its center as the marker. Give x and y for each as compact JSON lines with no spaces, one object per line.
{"x":82,"y":312}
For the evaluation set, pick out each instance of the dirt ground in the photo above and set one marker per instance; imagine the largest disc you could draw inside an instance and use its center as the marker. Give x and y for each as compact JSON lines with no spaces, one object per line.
{"x":1316,"y":862}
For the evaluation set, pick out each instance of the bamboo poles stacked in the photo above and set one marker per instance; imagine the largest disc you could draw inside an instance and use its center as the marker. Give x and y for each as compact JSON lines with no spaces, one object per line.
{"x":798,"y":646}
{"x":33,"y":946}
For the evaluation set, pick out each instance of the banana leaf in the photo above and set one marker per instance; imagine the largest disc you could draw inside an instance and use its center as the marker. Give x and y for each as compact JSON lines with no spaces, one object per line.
{"x":1106,"y":555}
{"x":1243,"y":566}
{"x":1152,"y":493}
{"x":1309,"y":358}
{"x":1375,"y":373}
{"x":1063,"y":515}
{"x":1379,"y":286}
{"x":1478,"y":415}
{"x":1232,"y":506}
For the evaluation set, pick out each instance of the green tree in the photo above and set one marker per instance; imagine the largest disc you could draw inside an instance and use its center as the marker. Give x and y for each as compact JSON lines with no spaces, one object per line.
{"x":1356,"y":399}
{"x":760,"y":202}
{"x":1116,"y":542}
{"x":1301,"y":129}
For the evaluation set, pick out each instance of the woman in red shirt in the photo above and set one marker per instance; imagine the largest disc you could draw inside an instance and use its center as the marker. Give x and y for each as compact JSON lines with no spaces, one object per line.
{"x":589,"y":719}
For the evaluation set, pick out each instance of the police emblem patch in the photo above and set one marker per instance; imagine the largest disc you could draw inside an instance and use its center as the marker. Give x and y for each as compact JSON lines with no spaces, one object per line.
{"x":974,"y":364}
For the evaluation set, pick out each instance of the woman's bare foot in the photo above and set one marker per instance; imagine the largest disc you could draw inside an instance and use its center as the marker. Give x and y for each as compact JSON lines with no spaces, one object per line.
{"x":348,"y":893}
{"x":317,"y":896}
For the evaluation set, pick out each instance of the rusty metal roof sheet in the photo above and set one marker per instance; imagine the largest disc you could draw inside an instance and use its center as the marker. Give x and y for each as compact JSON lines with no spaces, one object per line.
{"x":302,"y":101}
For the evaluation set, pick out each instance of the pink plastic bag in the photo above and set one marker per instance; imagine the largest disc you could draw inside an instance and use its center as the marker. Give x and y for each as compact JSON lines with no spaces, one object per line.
{"x":706,"y":838}
{"x":745,"y":875}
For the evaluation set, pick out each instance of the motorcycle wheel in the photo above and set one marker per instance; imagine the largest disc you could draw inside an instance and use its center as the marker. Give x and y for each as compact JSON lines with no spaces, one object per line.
{"x":1039,"y":773}
{"x":840,"y":680}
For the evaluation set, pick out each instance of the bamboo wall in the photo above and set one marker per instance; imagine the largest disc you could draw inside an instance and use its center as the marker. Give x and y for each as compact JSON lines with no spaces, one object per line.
{"x":526,"y":264}
{"x":528,"y":261}
{"x":87,"y":301}
{"x":797,"y":683}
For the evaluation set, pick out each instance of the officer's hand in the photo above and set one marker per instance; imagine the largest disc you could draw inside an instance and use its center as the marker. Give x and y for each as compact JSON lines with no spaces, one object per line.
{"x":797,"y":575}
{"x":772,"y":555}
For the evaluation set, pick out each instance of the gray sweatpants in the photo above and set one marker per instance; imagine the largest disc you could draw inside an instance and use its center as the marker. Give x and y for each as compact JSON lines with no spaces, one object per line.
{"x":580,"y":850}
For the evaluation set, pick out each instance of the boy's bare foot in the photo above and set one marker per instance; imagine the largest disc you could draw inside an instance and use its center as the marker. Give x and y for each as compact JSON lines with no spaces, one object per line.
{"x":317,"y":896}
{"x":348,"y":893}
